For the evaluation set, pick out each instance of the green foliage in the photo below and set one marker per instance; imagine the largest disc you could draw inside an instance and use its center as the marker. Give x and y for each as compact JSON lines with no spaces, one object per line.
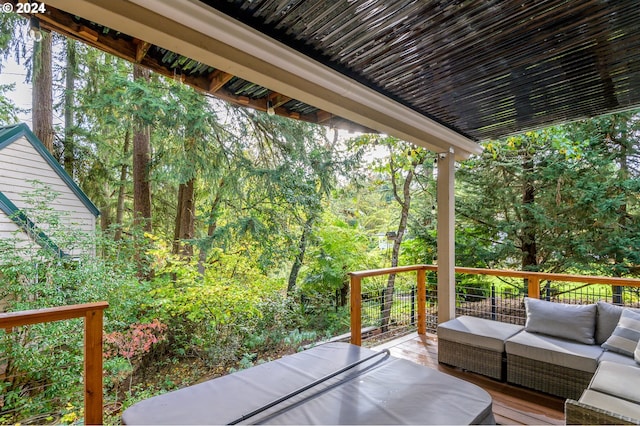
{"x":338,"y":249}
{"x":8,"y":111}
{"x":44,"y":361}
{"x":581,"y":208}
{"x":212,"y":315}
{"x":474,"y":288}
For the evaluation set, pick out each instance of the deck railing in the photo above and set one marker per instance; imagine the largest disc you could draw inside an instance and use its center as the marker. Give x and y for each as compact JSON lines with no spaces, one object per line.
{"x":93,"y":321}
{"x":532,"y":288}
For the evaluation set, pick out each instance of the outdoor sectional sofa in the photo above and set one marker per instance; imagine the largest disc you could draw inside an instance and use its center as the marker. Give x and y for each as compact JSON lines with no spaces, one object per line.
{"x":584,"y":353}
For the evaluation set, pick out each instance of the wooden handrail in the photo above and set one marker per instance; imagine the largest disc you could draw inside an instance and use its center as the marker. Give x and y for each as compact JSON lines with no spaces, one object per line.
{"x":92,"y":314}
{"x":587,"y":279}
{"x":533,"y":284}
{"x":397,"y":269}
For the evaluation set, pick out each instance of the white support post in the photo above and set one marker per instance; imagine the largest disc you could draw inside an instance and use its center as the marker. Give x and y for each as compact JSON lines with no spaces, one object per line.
{"x":446,"y":237}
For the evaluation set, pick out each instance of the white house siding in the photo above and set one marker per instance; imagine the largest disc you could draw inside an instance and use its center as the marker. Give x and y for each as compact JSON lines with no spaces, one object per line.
{"x":12,"y":233}
{"x":20,"y":165}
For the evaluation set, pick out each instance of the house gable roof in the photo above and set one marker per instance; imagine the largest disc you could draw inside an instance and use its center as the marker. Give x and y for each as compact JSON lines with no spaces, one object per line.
{"x":10,"y":134}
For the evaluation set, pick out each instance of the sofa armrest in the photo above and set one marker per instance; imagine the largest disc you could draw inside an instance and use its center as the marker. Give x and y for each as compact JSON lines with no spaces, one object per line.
{"x":577,"y":413}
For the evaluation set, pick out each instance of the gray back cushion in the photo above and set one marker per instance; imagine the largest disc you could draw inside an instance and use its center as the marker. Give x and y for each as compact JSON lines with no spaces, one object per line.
{"x":607,"y":320}
{"x":573,"y":322}
{"x":608,"y":317}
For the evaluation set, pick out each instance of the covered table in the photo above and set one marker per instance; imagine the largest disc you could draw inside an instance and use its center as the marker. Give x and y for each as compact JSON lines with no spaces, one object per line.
{"x":335,"y":383}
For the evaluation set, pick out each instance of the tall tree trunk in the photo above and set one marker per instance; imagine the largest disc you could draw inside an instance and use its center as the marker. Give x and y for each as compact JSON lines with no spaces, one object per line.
{"x":622,"y":215}
{"x":70,"y":80}
{"x":405,"y":202}
{"x":178,"y":221}
{"x":185,"y":213}
{"x":211,"y":228}
{"x":121,"y":187}
{"x":344,"y":291}
{"x":141,"y":183}
{"x":105,"y":217}
{"x":302,"y":248}
{"x":185,"y":219}
{"x":42,"y":97}
{"x":141,"y":165}
{"x":529,"y":248}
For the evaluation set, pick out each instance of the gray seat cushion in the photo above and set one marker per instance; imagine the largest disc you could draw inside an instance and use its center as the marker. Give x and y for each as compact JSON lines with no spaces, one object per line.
{"x":553,"y":350}
{"x":617,"y":380}
{"x":611,"y":403}
{"x":482,"y":333}
{"x":617,"y":358}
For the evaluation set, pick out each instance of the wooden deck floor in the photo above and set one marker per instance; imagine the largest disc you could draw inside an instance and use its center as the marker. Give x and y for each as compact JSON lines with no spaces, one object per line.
{"x":511,"y":404}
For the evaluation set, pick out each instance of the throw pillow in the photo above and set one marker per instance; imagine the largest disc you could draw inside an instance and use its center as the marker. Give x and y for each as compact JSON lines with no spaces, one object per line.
{"x":625,"y":337}
{"x":607,"y":320}
{"x":573,"y":322}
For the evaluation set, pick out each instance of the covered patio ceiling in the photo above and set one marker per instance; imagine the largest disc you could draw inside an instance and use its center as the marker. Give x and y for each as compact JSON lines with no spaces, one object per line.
{"x":482,"y":68}
{"x":443,"y":75}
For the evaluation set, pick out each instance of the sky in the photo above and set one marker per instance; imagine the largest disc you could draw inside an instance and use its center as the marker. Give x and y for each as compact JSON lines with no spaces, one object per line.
{"x":13,"y":73}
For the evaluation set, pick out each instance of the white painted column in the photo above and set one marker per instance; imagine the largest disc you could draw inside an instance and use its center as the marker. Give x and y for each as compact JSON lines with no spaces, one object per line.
{"x":446,"y":237}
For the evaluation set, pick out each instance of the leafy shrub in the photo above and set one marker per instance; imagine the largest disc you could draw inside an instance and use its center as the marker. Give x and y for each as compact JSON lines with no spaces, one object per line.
{"x":221,"y":314}
{"x":473,"y":289}
{"x":43,"y":372}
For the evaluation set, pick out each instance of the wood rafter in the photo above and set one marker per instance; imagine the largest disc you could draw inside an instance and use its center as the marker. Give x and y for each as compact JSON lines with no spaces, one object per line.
{"x":218,"y":80}
{"x":323,"y":116}
{"x":277,"y":99}
{"x":142,"y":47}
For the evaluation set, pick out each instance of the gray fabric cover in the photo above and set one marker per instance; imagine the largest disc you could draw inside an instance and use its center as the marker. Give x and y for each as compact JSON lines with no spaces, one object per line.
{"x":385,"y":390}
{"x":553,"y":350}
{"x":625,"y":337}
{"x":617,"y":358}
{"x":607,"y":320}
{"x":610,"y":403}
{"x":478,"y":332}
{"x":573,"y":322}
{"x":617,"y":380}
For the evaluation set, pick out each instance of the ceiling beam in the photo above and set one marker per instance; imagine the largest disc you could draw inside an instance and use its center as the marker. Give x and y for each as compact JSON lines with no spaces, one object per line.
{"x":142,"y":47}
{"x":192,"y":29}
{"x":218,"y":79}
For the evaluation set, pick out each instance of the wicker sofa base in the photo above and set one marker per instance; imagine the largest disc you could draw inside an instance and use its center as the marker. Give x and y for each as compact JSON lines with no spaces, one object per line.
{"x":471,"y":358}
{"x":553,"y":379}
{"x":577,"y":413}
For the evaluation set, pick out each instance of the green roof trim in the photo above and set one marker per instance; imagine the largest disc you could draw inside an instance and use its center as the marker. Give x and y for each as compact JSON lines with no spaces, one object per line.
{"x":10,"y":134}
{"x":27,"y":225}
